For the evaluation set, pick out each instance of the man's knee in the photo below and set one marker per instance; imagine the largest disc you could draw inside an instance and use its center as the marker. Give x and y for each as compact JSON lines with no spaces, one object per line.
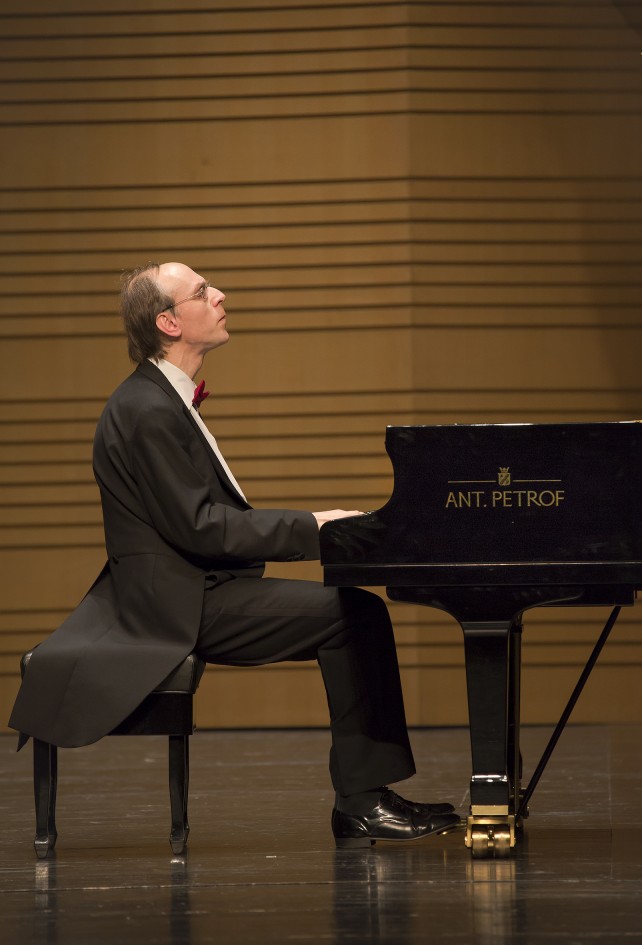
{"x":365,"y":633}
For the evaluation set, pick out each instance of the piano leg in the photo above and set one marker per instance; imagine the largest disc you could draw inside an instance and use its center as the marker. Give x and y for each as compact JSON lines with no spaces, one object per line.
{"x":492,"y":648}
{"x":492,"y":651}
{"x":514,"y":694}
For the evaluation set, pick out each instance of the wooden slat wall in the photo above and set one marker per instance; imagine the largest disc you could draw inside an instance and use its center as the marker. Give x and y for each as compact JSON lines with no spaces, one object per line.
{"x":420,"y":212}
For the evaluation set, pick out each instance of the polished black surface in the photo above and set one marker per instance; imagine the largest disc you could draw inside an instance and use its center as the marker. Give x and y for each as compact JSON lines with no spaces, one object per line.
{"x":499,"y":502}
{"x":261,"y":865}
{"x":391,"y":819}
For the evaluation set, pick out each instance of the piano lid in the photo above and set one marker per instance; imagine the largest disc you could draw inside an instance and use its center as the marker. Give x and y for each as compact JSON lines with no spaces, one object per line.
{"x":502,"y":494}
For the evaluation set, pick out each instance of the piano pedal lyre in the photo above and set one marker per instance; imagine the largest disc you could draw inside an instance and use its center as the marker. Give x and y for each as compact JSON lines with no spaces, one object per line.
{"x":490,"y":834}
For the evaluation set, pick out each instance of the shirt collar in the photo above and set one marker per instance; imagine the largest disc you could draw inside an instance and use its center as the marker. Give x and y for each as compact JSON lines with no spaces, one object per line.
{"x":180,"y":381}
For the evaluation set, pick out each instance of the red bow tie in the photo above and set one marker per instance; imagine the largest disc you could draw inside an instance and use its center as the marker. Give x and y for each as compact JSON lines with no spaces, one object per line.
{"x":199,"y":395}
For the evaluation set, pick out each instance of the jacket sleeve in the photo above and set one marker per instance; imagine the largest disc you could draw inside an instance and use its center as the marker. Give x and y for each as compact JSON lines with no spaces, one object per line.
{"x":181,"y":501}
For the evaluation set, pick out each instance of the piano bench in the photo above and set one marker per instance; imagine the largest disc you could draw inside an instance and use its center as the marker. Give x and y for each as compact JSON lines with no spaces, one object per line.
{"x":168,"y":710}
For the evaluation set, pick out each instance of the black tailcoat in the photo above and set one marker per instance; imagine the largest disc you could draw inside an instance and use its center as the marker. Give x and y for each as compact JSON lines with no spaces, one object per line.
{"x":172,"y":519}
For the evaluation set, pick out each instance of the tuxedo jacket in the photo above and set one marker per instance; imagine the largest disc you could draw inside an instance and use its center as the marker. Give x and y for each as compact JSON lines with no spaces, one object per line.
{"x":172,"y":520}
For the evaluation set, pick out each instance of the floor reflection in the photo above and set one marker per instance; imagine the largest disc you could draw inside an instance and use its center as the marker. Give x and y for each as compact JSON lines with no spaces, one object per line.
{"x":180,"y":911}
{"x":54,"y":919}
{"x":45,"y":913}
{"x":392,"y":894}
{"x":495,"y":906}
{"x":575,"y":875}
{"x":364,"y":899}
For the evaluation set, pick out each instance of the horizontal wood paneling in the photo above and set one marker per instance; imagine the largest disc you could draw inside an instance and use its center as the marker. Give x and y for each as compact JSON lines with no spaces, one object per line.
{"x":420,"y":213}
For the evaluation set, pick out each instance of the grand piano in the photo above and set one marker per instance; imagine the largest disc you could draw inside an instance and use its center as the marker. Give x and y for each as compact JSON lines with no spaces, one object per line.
{"x":485,"y":522}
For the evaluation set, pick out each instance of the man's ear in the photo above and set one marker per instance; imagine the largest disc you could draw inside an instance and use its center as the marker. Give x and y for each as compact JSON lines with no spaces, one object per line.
{"x":166,"y":322}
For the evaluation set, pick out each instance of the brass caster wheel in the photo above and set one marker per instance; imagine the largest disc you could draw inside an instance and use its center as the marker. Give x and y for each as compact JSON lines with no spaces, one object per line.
{"x":501,"y":842}
{"x":487,"y":842}
{"x":480,"y":843}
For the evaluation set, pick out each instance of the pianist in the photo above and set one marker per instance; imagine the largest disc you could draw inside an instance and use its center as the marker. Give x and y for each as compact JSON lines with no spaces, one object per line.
{"x":184,"y":572}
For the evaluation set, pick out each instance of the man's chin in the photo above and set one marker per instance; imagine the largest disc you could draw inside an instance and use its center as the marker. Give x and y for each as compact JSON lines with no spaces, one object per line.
{"x":222,"y":338}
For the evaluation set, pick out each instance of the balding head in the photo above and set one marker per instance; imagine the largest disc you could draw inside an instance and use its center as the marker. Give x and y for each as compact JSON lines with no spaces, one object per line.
{"x":143,"y":296}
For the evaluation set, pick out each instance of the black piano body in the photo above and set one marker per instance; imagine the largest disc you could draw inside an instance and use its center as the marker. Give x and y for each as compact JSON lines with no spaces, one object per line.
{"x":486,"y":521}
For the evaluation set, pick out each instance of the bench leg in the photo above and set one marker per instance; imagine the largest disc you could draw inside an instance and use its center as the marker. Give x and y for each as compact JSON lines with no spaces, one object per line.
{"x":45,"y":779}
{"x":178,"y":788}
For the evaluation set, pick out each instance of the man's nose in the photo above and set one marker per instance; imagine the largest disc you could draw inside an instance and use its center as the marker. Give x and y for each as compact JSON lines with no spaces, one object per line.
{"x":218,"y":296}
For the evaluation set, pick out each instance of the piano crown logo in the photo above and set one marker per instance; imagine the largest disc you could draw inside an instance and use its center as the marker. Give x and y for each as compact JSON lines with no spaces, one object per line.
{"x":503,"y":478}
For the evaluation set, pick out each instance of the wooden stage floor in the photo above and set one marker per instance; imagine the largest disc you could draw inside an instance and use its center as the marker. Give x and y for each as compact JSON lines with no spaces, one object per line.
{"x":262,"y":867}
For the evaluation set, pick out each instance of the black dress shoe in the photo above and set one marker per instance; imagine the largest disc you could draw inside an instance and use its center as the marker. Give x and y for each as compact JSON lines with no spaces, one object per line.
{"x":426,"y":809}
{"x":390,"y":819}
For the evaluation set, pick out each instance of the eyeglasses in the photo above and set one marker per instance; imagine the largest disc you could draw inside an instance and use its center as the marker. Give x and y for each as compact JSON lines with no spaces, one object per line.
{"x":201,"y":293}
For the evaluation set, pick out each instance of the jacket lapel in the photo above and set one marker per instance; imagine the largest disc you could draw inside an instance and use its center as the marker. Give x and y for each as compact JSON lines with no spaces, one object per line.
{"x":150,"y":371}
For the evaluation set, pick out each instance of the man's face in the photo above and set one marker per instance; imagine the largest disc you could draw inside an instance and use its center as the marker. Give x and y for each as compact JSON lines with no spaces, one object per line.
{"x":199,"y":314}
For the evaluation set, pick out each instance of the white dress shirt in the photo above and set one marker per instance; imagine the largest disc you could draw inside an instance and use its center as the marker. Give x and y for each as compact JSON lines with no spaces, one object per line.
{"x":184,"y":387}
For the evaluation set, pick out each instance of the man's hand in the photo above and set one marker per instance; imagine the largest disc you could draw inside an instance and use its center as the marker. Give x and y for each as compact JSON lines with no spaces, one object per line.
{"x":323,"y":517}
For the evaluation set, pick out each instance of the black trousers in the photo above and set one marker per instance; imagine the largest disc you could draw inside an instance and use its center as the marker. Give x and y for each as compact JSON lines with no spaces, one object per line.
{"x":253,"y":621}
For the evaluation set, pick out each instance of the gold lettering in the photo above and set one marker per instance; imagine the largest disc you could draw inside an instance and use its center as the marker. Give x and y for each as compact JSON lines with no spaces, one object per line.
{"x":506,"y":499}
{"x":464,"y":500}
{"x":547,"y":498}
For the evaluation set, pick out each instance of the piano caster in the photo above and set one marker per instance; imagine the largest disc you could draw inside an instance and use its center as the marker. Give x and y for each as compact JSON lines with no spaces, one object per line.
{"x":488,"y":837}
{"x":490,"y":842}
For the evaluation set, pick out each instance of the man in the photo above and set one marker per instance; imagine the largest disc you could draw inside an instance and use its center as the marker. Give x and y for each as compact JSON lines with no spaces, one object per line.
{"x":186,"y":554}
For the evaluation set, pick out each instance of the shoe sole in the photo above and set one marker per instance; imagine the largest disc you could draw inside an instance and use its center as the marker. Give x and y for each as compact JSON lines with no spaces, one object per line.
{"x":364,"y":842}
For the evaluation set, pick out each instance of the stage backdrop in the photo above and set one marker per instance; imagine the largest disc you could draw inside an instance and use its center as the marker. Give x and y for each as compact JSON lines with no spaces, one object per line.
{"x":420,"y":213}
